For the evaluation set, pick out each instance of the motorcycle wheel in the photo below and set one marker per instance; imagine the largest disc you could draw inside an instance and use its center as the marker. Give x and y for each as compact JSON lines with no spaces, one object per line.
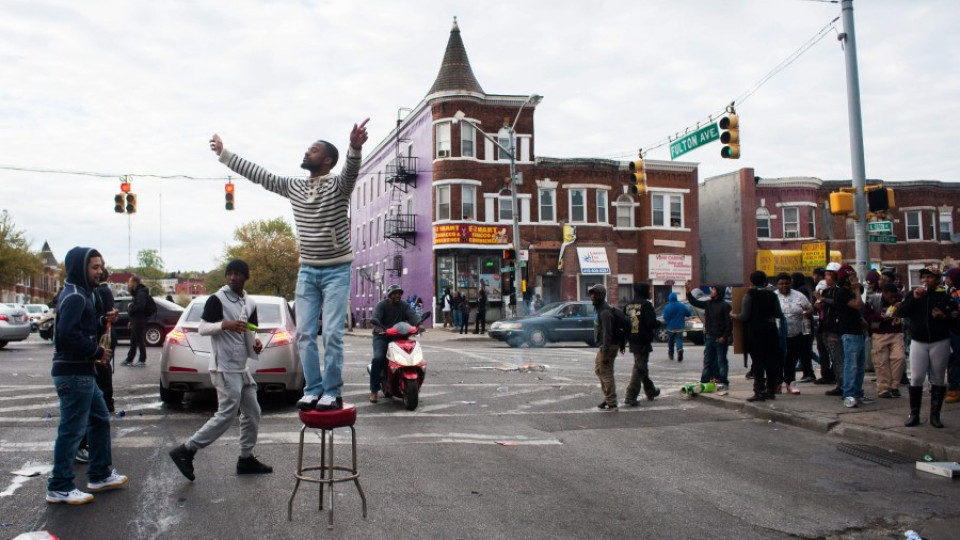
{"x":411,"y":394}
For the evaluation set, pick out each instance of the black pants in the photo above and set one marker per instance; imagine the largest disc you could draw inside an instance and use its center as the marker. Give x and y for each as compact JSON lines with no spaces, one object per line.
{"x":480,"y":326}
{"x":640,"y":377}
{"x":138,"y":340}
{"x":767,"y":358}
{"x":826,"y":370}
{"x":795,"y":346}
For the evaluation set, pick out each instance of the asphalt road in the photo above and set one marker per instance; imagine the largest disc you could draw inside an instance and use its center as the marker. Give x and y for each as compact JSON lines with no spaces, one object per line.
{"x":492,"y":452}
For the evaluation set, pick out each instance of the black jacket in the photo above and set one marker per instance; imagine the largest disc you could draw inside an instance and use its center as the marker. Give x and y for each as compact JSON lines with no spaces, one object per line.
{"x":138,"y":306}
{"x":717,"y":314}
{"x":646,"y":318}
{"x":923,"y":327}
{"x":603,"y":327}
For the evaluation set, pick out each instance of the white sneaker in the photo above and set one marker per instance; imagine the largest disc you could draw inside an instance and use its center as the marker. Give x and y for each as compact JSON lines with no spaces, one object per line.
{"x":721,"y":389}
{"x":329,"y":403}
{"x":308,"y":402}
{"x":113,"y":481}
{"x":792,"y":388}
{"x":69,"y":497}
{"x":850,"y":402}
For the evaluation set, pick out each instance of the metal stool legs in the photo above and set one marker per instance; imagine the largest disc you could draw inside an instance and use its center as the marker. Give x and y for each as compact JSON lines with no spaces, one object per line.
{"x":326,"y":469}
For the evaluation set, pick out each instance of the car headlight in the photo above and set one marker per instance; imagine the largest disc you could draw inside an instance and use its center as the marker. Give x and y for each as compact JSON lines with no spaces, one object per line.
{"x":510,"y":326}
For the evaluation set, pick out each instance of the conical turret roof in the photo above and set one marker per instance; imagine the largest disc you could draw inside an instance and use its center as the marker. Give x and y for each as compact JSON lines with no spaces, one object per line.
{"x":455,"y":71}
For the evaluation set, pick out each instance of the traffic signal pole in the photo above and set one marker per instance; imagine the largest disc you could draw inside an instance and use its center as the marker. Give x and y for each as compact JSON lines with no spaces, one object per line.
{"x":862,"y":263}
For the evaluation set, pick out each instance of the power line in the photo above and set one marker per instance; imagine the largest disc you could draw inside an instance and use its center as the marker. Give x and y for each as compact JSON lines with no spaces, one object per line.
{"x":108,"y":175}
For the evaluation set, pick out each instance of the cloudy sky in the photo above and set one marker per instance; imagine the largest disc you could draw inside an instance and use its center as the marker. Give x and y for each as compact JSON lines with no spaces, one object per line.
{"x":117,"y":87}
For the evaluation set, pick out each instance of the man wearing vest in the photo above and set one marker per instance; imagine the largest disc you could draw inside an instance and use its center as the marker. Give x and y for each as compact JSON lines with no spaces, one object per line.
{"x":225,"y":319}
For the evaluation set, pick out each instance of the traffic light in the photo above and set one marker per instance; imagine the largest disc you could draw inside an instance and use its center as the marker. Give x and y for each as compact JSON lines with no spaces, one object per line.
{"x":509,"y":255}
{"x":730,"y":135}
{"x":638,"y":177}
{"x":228,"y":188}
{"x":131,"y":203}
{"x":879,"y":199}
{"x":125,"y":187}
{"x":118,"y":203}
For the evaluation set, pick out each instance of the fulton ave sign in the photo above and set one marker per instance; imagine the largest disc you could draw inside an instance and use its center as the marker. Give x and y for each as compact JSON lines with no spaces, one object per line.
{"x":694,"y":140}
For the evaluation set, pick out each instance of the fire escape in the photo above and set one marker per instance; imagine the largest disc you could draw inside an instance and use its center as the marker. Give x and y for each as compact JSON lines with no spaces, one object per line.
{"x":400,"y":227}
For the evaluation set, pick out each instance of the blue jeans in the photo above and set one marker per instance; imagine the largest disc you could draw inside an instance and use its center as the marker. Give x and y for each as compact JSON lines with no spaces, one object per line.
{"x":674,"y":336}
{"x":82,"y":411}
{"x":457,"y":318}
{"x":326,"y":286}
{"x":380,"y":344}
{"x":853,"y":365}
{"x":715,"y":365}
{"x":953,"y":368}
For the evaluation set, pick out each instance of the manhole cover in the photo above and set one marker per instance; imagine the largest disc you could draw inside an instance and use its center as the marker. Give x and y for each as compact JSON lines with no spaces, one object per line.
{"x":874,"y":454}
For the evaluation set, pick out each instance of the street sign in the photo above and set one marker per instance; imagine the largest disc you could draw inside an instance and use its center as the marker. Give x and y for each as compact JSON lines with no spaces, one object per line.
{"x":880,"y":227}
{"x":506,"y":269}
{"x":813,"y":254}
{"x":883,"y":239}
{"x":694,"y":140}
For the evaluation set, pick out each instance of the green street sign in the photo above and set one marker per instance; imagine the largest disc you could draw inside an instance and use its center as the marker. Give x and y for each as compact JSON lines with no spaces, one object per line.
{"x":694,"y":140}
{"x":880,"y":227}
{"x":506,"y":269}
{"x":883,"y":239}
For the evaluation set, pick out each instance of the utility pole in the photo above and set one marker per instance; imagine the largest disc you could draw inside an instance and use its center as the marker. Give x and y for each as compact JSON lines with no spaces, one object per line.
{"x":848,"y":38}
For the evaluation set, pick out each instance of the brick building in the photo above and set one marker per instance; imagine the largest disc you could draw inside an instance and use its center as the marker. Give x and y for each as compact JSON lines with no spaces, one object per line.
{"x":433,"y":209}
{"x":39,"y":288}
{"x":773,"y":217}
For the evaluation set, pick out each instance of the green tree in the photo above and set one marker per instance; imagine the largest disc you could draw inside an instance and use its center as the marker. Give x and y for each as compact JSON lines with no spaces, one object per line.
{"x":270,"y":248}
{"x":16,"y":259}
{"x":150,"y":269}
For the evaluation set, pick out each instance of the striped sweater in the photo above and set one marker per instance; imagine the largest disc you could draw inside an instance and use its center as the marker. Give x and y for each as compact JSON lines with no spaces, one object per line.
{"x":320,"y":206}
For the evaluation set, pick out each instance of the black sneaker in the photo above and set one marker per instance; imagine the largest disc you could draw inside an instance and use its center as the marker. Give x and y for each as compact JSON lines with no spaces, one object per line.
{"x":757,"y":397}
{"x":770,"y":395}
{"x":835,"y":391}
{"x":251,"y":465}
{"x":886,"y":394}
{"x":141,"y":364}
{"x":679,"y":356}
{"x":656,"y":392}
{"x":895,"y":392}
{"x":183,"y":458}
{"x":607,"y":408}
{"x":749,"y":374}
{"x":126,"y":363}
{"x":631,"y":402}
{"x":825,"y":380}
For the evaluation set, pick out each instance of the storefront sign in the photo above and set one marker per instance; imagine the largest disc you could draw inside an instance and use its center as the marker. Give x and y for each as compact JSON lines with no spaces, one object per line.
{"x":470,"y":234}
{"x":774,"y":261}
{"x":813,"y":254}
{"x":593,"y":260}
{"x":670,"y":266}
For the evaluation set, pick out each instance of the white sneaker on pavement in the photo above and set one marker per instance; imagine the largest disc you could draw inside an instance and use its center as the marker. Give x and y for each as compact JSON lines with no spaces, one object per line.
{"x":850,"y":402}
{"x":69,"y":497}
{"x":114,"y":481}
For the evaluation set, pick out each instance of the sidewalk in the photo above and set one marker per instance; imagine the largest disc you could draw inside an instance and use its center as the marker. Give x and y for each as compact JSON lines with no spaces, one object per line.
{"x":878,"y":424}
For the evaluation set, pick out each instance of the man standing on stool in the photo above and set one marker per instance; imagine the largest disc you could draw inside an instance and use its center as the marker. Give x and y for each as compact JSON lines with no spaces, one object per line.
{"x":225,"y":319}
{"x":320,"y":209}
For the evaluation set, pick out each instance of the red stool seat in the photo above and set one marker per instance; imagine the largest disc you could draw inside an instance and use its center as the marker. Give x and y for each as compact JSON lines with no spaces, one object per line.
{"x":335,"y":418}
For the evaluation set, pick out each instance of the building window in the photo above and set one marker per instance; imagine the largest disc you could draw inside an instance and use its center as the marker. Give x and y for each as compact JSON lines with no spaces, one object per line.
{"x":624,"y":211}
{"x":546,"y":205}
{"x":946,"y":226}
{"x":813,"y":222}
{"x":763,"y":223}
{"x":601,"y":206}
{"x":667,"y":211}
{"x":443,"y":203}
{"x":468,"y":138}
{"x":791,"y":222}
{"x":503,"y":138}
{"x":918,"y":222}
{"x":505,"y":207}
{"x":443,"y":139}
{"x":578,"y":206}
{"x":468,"y":202}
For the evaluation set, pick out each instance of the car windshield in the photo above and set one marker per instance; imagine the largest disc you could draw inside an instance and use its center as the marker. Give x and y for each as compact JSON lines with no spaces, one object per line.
{"x":267,"y":313}
{"x":167,"y":304}
{"x":554,"y":306}
{"x":35,"y":309}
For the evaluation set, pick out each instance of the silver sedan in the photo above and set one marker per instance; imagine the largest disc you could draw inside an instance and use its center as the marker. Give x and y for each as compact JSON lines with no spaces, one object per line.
{"x":14,"y":324}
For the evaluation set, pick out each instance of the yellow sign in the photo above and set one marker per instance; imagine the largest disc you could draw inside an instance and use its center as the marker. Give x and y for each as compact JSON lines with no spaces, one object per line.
{"x":814,"y":254}
{"x":469,"y":234}
{"x":774,"y":261}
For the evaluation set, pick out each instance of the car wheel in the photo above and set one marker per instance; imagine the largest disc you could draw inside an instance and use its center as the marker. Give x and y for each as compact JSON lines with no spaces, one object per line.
{"x":515,"y":341}
{"x":153,"y":336}
{"x":170,"y":397}
{"x":537,"y":338}
{"x":661,"y":334}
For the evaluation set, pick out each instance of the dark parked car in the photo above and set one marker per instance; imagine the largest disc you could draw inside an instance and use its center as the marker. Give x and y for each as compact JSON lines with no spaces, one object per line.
{"x":158,"y":326}
{"x":693,"y":328}
{"x":559,"y":321}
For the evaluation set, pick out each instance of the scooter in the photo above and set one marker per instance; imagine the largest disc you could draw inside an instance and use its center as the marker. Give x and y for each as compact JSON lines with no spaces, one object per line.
{"x":45,"y":325}
{"x":405,"y":369}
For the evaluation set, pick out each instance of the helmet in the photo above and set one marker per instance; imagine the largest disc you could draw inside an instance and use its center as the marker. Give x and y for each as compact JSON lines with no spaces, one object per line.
{"x":833,"y":267}
{"x":394,"y":288}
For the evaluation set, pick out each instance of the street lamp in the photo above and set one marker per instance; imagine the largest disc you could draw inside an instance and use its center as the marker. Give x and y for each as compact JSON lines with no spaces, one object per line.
{"x":512,"y":154}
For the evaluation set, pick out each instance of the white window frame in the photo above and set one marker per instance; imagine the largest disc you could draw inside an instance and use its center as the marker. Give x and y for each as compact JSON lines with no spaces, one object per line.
{"x":470,"y":201}
{"x":443,"y":192}
{"x":468,"y":134}
{"x":503,"y":138}
{"x":791,"y":227}
{"x":625,"y":209}
{"x":583,"y":193}
{"x":763,"y":214}
{"x":505,"y":201}
{"x":946,"y":226}
{"x":667,"y":200}
{"x":552,"y":194}
{"x":918,"y":226}
{"x":603,"y":206}
{"x":443,"y":139}
{"x":813,"y":221}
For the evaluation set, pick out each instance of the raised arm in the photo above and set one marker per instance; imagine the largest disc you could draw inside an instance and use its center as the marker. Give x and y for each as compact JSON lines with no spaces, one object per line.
{"x":251,"y":171}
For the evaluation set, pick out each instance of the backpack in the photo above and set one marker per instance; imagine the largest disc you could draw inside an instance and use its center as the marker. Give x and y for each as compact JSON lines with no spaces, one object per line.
{"x":622,"y":326}
{"x":150,"y":308}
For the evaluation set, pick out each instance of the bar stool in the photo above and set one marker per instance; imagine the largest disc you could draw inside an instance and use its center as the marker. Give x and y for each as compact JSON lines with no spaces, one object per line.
{"x":326,"y":422}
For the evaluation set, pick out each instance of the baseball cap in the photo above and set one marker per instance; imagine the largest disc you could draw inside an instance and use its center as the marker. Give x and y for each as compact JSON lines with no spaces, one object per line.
{"x":933,"y":270}
{"x":833,"y":267}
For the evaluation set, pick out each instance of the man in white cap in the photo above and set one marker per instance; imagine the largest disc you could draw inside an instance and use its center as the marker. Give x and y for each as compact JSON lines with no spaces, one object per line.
{"x":829,"y":328}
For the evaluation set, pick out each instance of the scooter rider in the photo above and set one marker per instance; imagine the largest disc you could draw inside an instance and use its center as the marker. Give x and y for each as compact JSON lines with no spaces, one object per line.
{"x":388,"y":312}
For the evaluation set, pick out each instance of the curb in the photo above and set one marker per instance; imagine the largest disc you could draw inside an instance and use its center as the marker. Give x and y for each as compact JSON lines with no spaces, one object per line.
{"x":897,"y":442}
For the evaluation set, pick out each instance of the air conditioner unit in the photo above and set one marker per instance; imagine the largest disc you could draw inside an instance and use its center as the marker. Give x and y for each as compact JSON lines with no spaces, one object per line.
{"x":793,"y":234}
{"x":443,"y":153}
